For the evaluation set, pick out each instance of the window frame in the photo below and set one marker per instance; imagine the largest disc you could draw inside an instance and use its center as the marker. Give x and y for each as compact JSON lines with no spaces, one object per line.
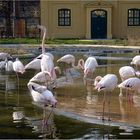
{"x":64,"y":17}
{"x":134,"y":17}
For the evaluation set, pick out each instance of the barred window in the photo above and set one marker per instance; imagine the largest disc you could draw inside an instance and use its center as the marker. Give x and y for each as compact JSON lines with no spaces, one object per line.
{"x":64,"y":17}
{"x":133,"y":17}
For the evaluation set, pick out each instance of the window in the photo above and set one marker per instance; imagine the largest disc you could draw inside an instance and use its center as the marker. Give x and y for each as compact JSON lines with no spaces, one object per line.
{"x":64,"y":17}
{"x":134,"y":17}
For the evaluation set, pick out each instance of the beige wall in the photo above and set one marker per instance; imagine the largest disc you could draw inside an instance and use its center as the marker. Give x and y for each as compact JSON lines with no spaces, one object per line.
{"x":80,"y":17}
{"x":123,"y":29}
{"x":49,"y":18}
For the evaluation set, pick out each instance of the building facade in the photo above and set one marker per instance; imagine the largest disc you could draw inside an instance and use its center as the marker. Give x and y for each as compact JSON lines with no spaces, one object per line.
{"x":91,"y":19}
{"x":18,"y":18}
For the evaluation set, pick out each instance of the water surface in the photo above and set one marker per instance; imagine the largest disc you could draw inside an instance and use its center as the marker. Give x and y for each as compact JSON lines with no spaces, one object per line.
{"x":75,"y":101}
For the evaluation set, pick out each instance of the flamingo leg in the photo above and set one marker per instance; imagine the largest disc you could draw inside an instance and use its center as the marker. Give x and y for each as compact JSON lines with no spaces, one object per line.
{"x":44,"y":116}
{"x":103,"y":106}
{"x":47,"y":119}
{"x":17,"y":87}
{"x":121,"y":94}
{"x":109,"y":107}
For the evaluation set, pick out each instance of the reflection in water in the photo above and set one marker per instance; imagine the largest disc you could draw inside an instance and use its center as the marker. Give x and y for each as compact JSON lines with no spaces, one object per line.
{"x":136,"y":100}
{"x":91,"y":97}
{"x":18,"y":114}
{"x":45,"y":130}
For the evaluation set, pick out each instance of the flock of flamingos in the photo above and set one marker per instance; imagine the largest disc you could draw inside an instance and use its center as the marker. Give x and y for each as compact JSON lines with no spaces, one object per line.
{"x":41,"y":84}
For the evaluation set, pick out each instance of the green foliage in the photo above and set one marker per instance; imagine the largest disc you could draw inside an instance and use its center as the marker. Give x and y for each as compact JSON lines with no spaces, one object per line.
{"x":19,"y":41}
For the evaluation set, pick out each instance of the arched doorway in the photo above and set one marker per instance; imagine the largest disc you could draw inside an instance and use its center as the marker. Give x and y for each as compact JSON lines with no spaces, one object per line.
{"x":98,"y":24}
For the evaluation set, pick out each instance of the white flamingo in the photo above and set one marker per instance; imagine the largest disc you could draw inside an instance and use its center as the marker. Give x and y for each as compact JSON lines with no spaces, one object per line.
{"x":2,"y":64}
{"x":41,"y":94}
{"x":131,"y":84}
{"x":9,"y":66}
{"x":18,"y":67}
{"x":90,"y":65}
{"x":48,"y":66}
{"x":107,"y":84}
{"x":125,"y":73}
{"x":4,"y":56}
{"x":70,"y":59}
{"x":136,"y":61}
{"x":36,"y":62}
{"x":41,"y":77}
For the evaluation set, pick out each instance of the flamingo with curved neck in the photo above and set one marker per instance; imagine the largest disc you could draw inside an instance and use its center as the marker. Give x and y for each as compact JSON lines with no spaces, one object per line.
{"x":70,"y":59}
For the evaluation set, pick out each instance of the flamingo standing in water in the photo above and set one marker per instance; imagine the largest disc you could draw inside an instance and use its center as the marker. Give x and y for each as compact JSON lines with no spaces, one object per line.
{"x":125,"y":73}
{"x":70,"y":59}
{"x":36,"y":62}
{"x":89,"y":65}
{"x":107,"y":84}
{"x":132,"y":84}
{"x":41,"y":94}
{"x":9,"y":65}
{"x":18,"y":66}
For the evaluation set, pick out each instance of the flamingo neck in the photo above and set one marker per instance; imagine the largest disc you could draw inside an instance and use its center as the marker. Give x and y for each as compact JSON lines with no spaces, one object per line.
{"x":43,"y":42}
{"x":80,"y":64}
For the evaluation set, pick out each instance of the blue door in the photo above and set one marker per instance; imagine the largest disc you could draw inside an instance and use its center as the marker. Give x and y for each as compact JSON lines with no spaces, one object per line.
{"x":98,"y":24}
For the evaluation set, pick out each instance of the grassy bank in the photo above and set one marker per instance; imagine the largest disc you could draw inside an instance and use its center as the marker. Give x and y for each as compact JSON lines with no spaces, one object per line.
{"x":63,"y":41}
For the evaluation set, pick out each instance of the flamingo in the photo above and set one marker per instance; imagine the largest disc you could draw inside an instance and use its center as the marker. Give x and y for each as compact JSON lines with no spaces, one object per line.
{"x":9,"y":65}
{"x":131,"y":84}
{"x":125,"y":73}
{"x":107,"y":84}
{"x":6,"y":64}
{"x":70,"y":59}
{"x":18,"y":67}
{"x":48,"y":65}
{"x":41,"y":94}
{"x":41,"y":77}
{"x":36,"y":62}
{"x":2,"y":64}
{"x":4,"y":56}
{"x":90,"y":65}
{"x":136,"y":61}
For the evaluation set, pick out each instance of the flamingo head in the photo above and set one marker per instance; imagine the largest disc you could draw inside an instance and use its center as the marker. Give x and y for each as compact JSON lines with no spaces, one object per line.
{"x":97,"y":80}
{"x":57,"y":68}
{"x":54,"y":103}
{"x":51,"y":102}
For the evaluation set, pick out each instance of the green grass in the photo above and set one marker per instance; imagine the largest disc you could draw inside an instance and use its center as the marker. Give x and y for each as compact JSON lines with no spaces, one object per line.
{"x":19,"y":41}
{"x":62,"y":41}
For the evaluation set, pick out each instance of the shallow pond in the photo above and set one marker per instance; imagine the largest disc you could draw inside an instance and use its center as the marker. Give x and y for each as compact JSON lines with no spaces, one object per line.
{"x":79,"y":110}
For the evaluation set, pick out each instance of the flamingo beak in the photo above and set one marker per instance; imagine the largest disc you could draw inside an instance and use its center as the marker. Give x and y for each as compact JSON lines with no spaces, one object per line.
{"x":54,"y":105}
